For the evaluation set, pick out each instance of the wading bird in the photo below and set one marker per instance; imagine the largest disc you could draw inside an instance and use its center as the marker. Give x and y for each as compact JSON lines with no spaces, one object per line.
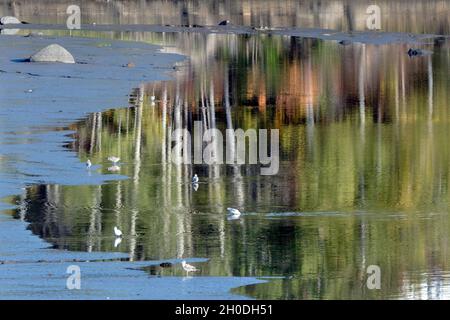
{"x":233,"y":213}
{"x":117,"y":232}
{"x":187,"y":267}
{"x":195,"y":178}
{"x":113,"y":159}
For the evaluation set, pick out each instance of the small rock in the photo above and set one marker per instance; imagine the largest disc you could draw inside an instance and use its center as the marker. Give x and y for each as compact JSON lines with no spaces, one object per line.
{"x":344,"y":42}
{"x":224,"y":23}
{"x":440,"y":40}
{"x":417,"y":52}
{"x":53,"y":53}
{"x":412,"y":52}
{"x":130,"y":65}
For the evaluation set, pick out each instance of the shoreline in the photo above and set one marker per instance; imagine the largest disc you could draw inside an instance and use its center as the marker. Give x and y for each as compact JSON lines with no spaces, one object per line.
{"x":365,"y":37}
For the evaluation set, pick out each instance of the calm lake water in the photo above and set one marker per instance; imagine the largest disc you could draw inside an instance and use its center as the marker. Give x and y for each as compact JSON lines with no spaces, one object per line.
{"x":363,"y":179}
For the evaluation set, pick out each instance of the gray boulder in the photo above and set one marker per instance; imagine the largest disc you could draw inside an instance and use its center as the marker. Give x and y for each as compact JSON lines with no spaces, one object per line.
{"x":9,"y":20}
{"x":53,"y":53}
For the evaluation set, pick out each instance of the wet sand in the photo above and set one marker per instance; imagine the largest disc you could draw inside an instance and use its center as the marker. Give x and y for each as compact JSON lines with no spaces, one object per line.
{"x":37,"y":103}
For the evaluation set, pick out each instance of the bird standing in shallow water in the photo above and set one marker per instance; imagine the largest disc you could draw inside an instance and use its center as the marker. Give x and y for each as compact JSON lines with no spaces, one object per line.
{"x":114,"y":159}
{"x":187,"y":267}
{"x":117,"y":232}
{"x":233,"y":213}
{"x":88,"y":164}
{"x":195,"y":178}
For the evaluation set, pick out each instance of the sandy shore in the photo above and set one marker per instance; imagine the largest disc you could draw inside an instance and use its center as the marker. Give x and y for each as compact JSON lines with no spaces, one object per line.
{"x":37,"y":103}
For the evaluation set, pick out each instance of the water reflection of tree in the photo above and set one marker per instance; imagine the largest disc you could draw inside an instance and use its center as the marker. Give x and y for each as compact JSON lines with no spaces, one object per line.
{"x":364,"y":129}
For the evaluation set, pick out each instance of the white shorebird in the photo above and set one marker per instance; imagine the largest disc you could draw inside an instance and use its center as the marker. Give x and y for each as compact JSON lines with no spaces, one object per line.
{"x":233,"y":213}
{"x":88,"y":164}
{"x":117,"y":232}
{"x":187,"y":267}
{"x":113,"y":159}
{"x":195,"y":178}
{"x":152,"y":98}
